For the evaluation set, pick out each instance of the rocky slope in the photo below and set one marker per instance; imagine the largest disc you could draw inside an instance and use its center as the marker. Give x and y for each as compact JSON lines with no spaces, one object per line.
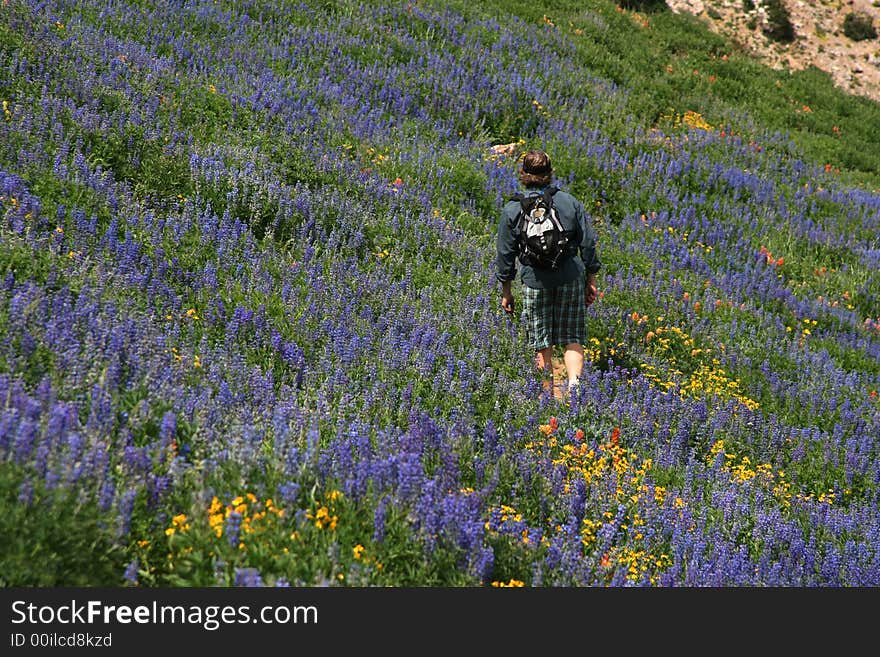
{"x":819,"y":37}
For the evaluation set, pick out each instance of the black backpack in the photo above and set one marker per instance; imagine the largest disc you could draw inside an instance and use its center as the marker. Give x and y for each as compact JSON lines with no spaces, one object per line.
{"x":543,"y":242}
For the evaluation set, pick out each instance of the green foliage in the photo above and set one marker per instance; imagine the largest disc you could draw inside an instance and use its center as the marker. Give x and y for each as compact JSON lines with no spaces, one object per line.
{"x":465,"y":181}
{"x":850,"y":360}
{"x":10,"y":40}
{"x":153,"y":170}
{"x":22,"y":261}
{"x":16,"y":21}
{"x":55,"y":539}
{"x":203,"y":110}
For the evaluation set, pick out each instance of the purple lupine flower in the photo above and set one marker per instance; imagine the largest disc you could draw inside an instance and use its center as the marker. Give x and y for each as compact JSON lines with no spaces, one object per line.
{"x":157,"y":486}
{"x":249,"y":577}
{"x":25,"y":438}
{"x":232,"y":528}
{"x":379,"y":521}
{"x":126,"y":508}
{"x":131,"y":572}
{"x":108,"y":492}
{"x":168,"y":428}
{"x":481,"y":565}
{"x":26,"y":492}
{"x":41,"y":459}
{"x":289,"y":492}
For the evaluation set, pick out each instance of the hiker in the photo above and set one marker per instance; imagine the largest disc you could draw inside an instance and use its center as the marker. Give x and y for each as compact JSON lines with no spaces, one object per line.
{"x":555,"y":298}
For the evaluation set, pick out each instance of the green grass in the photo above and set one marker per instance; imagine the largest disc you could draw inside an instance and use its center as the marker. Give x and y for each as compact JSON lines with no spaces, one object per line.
{"x":655,"y":60}
{"x":56,"y":539}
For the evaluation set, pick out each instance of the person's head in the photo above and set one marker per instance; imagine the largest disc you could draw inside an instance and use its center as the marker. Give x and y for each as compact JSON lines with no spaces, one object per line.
{"x":535,"y":170}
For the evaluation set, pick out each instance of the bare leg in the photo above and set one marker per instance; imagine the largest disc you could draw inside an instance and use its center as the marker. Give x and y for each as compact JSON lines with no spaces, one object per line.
{"x":543,"y":360}
{"x":574,"y":361}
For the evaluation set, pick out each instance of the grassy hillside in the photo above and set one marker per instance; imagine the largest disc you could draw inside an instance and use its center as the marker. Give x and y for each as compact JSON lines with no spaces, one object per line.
{"x":670,"y":64}
{"x":251,"y":332}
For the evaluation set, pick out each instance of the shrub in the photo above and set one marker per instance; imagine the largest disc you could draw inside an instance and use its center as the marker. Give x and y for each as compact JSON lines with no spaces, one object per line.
{"x":779,"y":27}
{"x":643,"y":5}
{"x":859,"y":26}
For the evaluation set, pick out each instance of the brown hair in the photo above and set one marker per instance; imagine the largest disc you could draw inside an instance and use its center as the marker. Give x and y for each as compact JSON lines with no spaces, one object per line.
{"x":536,"y":170}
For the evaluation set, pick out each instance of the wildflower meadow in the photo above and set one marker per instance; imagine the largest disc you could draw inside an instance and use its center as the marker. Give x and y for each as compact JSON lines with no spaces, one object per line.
{"x":250,"y":333}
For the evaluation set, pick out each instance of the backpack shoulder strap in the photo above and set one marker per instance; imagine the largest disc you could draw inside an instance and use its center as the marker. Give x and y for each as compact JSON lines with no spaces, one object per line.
{"x":525,"y":202}
{"x":548,"y":201}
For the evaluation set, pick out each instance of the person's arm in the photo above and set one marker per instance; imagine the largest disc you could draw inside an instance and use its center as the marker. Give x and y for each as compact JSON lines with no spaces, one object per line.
{"x":588,"y":255}
{"x":506,"y":297}
{"x":590,"y":289}
{"x":505,"y":261}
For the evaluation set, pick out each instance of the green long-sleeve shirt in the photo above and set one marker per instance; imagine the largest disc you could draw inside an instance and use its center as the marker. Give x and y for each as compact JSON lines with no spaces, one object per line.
{"x":573,"y":217}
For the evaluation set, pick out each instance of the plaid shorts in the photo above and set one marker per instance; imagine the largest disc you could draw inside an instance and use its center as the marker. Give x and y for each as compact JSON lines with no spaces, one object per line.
{"x":555,"y":315}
